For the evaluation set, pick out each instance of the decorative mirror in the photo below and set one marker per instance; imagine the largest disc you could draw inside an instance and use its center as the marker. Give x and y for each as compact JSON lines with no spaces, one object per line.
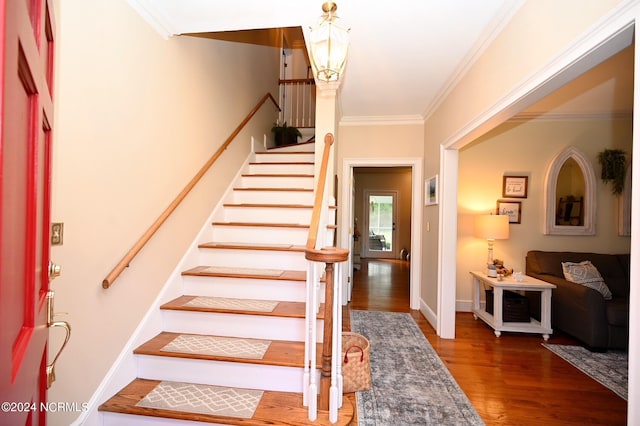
{"x":570,"y":195}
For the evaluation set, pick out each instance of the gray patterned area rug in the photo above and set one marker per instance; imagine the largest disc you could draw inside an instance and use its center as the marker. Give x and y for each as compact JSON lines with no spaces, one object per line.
{"x":611,"y":368}
{"x":410,"y":385}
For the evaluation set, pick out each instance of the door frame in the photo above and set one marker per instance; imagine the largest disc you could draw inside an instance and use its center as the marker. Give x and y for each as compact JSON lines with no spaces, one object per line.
{"x":365,"y":229}
{"x":347,"y":214}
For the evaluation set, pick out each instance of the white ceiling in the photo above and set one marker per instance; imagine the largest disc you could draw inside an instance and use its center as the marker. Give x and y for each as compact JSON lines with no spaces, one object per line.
{"x":402,"y":58}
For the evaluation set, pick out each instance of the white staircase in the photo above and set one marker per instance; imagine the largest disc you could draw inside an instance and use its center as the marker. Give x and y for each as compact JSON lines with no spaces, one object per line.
{"x":247,"y":287}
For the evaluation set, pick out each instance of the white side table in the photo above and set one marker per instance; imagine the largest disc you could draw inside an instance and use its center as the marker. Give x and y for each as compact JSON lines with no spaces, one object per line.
{"x":495,"y":321}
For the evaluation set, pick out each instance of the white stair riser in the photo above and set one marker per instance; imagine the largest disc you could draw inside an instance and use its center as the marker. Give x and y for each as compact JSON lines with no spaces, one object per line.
{"x":276,"y":182}
{"x":284,"y":158}
{"x":220,"y":373}
{"x":306,"y":147}
{"x":266,"y":215}
{"x":260,"y":235}
{"x":281,"y":168}
{"x":118,"y":419}
{"x":273,"y":197}
{"x":232,"y":325}
{"x":244,"y":288}
{"x":236,"y":258}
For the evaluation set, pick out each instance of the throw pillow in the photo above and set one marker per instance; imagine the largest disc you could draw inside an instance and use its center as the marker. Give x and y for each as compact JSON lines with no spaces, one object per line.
{"x":584,"y":273}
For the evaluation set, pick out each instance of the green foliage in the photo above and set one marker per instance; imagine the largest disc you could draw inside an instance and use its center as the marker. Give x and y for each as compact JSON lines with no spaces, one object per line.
{"x":614,"y":168}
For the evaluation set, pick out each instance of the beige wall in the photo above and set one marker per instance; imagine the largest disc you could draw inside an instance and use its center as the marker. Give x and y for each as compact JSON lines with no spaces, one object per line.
{"x":527,"y":149}
{"x":385,"y":179}
{"x":136,"y":117}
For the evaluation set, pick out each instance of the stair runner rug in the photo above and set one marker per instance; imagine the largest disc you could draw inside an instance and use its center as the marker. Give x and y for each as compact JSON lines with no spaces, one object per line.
{"x":232,"y":304}
{"x":243,"y":271}
{"x":610,"y":369}
{"x":218,"y":346}
{"x":410,"y":384}
{"x":203,"y":399}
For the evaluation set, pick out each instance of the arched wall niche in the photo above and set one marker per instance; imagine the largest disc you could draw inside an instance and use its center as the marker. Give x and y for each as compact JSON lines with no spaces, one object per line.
{"x":588,"y":223}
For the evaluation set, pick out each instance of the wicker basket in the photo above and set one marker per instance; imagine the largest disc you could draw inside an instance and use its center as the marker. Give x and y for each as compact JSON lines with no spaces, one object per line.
{"x":356,"y":364}
{"x":515,"y":307}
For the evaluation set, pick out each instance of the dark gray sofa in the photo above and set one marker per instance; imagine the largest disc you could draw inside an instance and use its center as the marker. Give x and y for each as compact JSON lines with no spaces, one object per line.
{"x":580,"y":311}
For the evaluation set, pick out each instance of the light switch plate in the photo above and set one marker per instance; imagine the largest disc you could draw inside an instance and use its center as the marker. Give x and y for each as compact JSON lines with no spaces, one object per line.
{"x":57,"y":230}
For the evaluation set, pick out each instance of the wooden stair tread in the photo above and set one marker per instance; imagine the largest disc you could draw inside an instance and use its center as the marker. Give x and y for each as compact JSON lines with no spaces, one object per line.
{"x":243,"y":246}
{"x":274,"y":189}
{"x":284,"y":408}
{"x":202,"y":271}
{"x":280,"y":352}
{"x":263,"y":205}
{"x":283,"y":309}
{"x":263,"y":225}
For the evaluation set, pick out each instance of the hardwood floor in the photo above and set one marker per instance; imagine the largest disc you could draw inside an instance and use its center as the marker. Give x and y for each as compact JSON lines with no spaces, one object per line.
{"x":511,"y":380}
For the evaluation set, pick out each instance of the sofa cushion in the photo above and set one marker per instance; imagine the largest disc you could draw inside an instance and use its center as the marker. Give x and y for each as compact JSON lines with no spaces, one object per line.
{"x":618,"y":312}
{"x":584,"y":273}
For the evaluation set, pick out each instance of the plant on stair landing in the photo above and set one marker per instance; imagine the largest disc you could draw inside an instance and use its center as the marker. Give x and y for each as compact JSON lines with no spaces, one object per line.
{"x":285,"y":135}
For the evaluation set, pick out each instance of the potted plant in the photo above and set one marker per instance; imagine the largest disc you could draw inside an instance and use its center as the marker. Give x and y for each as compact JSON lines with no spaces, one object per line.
{"x":285,"y":135}
{"x":614,"y":168}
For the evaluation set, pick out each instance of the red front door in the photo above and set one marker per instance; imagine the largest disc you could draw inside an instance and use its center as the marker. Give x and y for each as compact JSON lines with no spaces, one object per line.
{"x":26,"y":114}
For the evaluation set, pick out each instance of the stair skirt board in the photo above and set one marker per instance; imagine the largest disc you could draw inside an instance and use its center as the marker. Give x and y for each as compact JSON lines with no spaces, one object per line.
{"x":221,"y":373}
{"x":233,"y":325}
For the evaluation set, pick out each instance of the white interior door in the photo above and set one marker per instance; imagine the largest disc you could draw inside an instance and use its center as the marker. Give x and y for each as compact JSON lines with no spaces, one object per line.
{"x":380,"y":231}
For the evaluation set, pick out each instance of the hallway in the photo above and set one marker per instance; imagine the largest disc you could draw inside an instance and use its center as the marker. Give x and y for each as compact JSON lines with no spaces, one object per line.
{"x":381,"y":285}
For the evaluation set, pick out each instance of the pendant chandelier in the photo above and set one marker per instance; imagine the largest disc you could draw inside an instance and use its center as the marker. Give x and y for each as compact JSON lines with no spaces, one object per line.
{"x":329,"y":44}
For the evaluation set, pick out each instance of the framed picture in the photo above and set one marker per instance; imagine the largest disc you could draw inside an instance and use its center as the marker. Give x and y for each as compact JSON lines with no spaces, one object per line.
{"x":513,"y":209}
{"x":431,"y":191}
{"x":514,"y":186}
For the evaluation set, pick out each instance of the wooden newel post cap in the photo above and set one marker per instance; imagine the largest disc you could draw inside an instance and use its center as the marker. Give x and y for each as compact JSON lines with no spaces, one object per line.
{"x":327,"y":255}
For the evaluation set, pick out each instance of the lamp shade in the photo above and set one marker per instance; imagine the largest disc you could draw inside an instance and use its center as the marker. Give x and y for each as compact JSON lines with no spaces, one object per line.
{"x":492,"y":227}
{"x":329,"y":43}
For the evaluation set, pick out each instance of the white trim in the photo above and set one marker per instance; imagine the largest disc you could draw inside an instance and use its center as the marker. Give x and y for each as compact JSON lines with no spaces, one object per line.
{"x":416,"y":214}
{"x":150,"y":14}
{"x":428,"y":313}
{"x":447,"y":244}
{"x":590,"y":202}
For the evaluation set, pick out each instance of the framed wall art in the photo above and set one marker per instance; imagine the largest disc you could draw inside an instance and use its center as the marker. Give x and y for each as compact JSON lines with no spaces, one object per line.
{"x":513,"y":209}
{"x":514,"y":186}
{"x":431,"y":191}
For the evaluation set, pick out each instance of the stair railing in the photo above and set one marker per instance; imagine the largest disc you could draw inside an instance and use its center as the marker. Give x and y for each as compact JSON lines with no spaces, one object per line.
{"x":330,"y":387}
{"x":144,"y":239}
{"x":298,"y":101}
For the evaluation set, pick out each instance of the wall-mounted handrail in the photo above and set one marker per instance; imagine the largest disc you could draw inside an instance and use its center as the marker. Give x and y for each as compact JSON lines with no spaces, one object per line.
{"x":144,"y":239}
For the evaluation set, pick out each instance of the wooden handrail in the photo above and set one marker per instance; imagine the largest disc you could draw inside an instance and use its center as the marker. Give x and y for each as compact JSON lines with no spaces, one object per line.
{"x":317,"y":204}
{"x":131,"y":254}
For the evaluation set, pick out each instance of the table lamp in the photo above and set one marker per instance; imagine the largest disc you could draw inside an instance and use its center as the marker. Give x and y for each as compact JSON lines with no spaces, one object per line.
{"x":491,"y":228}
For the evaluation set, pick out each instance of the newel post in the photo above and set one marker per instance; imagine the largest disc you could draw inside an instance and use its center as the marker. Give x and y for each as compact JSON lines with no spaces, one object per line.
{"x":329,"y":256}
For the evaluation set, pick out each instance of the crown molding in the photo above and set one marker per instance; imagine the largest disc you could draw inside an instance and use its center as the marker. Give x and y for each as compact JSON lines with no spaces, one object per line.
{"x":388,"y":120}
{"x":586,"y":116}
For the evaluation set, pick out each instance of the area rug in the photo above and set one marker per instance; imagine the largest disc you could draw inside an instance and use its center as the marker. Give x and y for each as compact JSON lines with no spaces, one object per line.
{"x":232,"y":304}
{"x":611,"y":368}
{"x":410,"y":385}
{"x":203,"y":399}
{"x":218,"y":346}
